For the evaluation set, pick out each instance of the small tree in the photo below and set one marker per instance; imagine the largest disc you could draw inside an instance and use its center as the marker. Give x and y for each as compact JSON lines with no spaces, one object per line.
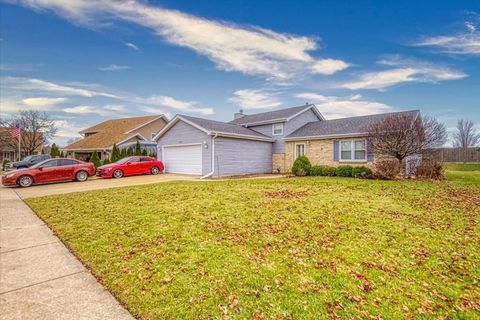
{"x":138,"y":149}
{"x":129,"y":152}
{"x":115,"y":153}
{"x":54,"y":152}
{"x":144,"y":152}
{"x":466,"y":135}
{"x":95,"y":159}
{"x":402,"y":135}
{"x":36,"y":127}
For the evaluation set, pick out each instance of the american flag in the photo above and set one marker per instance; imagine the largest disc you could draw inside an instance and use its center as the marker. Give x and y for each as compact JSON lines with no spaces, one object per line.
{"x":15,"y":131}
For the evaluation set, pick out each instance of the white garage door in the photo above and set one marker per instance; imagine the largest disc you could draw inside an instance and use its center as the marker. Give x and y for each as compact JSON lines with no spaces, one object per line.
{"x":183,"y":159}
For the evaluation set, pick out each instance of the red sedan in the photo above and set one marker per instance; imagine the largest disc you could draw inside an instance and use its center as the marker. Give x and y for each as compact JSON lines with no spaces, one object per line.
{"x":52,"y":170}
{"x":130,"y":166}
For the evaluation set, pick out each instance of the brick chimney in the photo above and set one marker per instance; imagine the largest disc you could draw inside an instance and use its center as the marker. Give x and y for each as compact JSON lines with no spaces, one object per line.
{"x":239,"y":114}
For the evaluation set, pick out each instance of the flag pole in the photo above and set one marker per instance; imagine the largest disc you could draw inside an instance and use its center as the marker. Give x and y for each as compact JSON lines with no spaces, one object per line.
{"x":19,"y":142}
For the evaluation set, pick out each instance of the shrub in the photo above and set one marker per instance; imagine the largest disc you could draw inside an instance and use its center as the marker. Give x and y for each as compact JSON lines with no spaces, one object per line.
{"x":94,"y":159}
{"x":361,"y":172}
{"x":302,"y":166}
{"x":106,"y":161}
{"x":386,"y":169}
{"x":4,"y":164}
{"x":430,"y":169}
{"x":344,"y":171}
{"x":329,"y":171}
{"x":316,"y":171}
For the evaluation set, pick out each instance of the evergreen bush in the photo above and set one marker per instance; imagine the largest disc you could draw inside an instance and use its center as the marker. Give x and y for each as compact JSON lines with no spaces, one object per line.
{"x":302,"y":166}
{"x":344,"y":171}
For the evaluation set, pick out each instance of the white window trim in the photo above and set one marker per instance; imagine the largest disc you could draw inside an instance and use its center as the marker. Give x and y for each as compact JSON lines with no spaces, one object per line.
{"x":304,"y":149}
{"x":352,"y":146}
{"x":273,"y":129}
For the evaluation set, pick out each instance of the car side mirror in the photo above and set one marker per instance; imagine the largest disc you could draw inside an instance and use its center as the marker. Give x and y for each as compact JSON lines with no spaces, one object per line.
{"x":40,"y":168}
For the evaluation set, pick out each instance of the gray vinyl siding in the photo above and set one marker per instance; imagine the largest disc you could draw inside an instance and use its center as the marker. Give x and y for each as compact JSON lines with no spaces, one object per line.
{"x":288,"y":127}
{"x":183,"y":133}
{"x":238,"y":156}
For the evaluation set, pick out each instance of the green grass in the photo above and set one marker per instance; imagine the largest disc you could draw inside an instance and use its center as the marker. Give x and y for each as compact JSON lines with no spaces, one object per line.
{"x":466,"y":174}
{"x":308,"y":248}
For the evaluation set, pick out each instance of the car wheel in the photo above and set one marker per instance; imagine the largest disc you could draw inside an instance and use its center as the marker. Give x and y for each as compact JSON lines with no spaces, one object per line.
{"x":25,"y":181}
{"x":81,"y":176}
{"x":117,"y":173}
{"x":154,"y":170}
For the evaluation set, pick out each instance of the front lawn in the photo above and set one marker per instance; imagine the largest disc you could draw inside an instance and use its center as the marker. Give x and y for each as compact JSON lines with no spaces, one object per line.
{"x":308,"y":248}
{"x":467,"y":174}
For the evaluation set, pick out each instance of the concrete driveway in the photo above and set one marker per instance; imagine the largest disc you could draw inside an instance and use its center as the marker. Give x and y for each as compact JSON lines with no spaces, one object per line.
{"x":94,"y":183}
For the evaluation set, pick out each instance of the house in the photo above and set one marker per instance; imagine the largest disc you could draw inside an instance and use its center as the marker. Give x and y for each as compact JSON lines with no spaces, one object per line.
{"x":124,"y":132}
{"x":9,"y":145}
{"x":264,"y":142}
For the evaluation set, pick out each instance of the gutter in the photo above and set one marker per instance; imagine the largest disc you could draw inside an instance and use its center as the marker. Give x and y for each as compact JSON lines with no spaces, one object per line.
{"x":213,"y":159}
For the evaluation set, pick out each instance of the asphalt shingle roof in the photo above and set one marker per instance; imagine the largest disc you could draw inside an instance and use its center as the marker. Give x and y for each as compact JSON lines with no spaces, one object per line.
{"x":218,"y":126}
{"x":270,"y":115}
{"x":109,"y":132}
{"x":343,"y":126}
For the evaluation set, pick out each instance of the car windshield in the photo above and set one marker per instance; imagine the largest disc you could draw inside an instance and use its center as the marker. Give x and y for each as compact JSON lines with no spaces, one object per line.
{"x":28,"y":158}
{"x":124,"y":160}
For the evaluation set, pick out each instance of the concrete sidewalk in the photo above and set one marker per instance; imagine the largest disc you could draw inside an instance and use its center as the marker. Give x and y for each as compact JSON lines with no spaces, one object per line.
{"x":39,"y":277}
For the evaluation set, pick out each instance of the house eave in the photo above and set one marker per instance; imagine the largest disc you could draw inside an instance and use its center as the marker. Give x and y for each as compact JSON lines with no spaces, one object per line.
{"x":327,"y":136}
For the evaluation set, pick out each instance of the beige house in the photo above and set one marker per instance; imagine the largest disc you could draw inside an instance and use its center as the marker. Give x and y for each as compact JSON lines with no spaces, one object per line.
{"x":122,"y":132}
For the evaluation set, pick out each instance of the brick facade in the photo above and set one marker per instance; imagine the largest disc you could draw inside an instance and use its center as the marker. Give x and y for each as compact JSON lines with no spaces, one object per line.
{"x":319,"y":152}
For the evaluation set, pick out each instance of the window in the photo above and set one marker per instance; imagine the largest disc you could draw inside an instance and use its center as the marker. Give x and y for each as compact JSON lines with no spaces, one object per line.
{"x":68,"y":162}
{"x":299,"y":150}
{"x":145,"y":159}
{"x":49,"y":164}
{"x":6,"y":155}
{"x":152,"y":135}
{"x":277,"y":129}
{"x":353,"y":150}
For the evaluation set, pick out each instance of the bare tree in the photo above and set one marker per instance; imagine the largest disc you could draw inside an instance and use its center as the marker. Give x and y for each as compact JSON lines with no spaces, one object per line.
{"x":466,"y":135}
{"x":400,"y":136}
{"x":36,"y":128}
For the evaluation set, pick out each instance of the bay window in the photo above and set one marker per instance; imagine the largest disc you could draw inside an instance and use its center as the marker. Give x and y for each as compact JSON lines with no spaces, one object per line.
{"x":353,"y":150}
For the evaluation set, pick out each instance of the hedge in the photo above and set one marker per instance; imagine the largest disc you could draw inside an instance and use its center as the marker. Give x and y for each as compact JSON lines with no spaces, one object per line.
{"x":302,"y":166}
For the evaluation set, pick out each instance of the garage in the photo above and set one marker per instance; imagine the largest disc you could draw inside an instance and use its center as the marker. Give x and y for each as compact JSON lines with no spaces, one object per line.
{"x":186,"y":159}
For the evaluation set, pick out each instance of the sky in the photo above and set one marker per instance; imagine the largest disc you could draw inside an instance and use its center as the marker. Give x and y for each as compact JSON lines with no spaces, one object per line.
{"x":86,"y":61}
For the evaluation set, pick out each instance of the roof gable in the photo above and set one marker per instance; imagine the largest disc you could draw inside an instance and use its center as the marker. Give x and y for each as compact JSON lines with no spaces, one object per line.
{"x":212,"y":127}
{"x":281,"y":115}
{"x":344,"y":126}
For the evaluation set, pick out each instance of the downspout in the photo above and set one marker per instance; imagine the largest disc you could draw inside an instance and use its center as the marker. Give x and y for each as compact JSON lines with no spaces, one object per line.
{"x":213,"y":158}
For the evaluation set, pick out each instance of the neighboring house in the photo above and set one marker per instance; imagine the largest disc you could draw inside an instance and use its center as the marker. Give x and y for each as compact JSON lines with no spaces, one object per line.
{"x":264,"y":142}
{"x":9,"y":146}
{"x":123,"y":132}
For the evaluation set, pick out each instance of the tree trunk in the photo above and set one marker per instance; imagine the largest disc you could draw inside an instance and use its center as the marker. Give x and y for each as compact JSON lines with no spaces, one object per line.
{"x":401,"y":168}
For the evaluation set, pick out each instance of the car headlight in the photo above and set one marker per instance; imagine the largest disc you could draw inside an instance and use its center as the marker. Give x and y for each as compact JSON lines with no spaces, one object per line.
{"x":109,"y":169}
{"x":9,"y":175}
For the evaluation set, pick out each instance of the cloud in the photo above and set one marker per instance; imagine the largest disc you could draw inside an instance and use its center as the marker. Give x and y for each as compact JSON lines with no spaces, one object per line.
{"x":462,"y":43}
{"x":156,"y":110}
{"x":255,"y":99}
{"x":403,"y":71}
{"x":108,"y":110}
{"x":132,"y":46}
{"x":113,"y":67}
{"x":42,"y":102}
{"x":184,"y":106}
{"x":32,"y":84}
{"x":13,"y":104}
{"x":66,"y":129}
{"x":340,"y":107}
{"x":250,"y":50}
